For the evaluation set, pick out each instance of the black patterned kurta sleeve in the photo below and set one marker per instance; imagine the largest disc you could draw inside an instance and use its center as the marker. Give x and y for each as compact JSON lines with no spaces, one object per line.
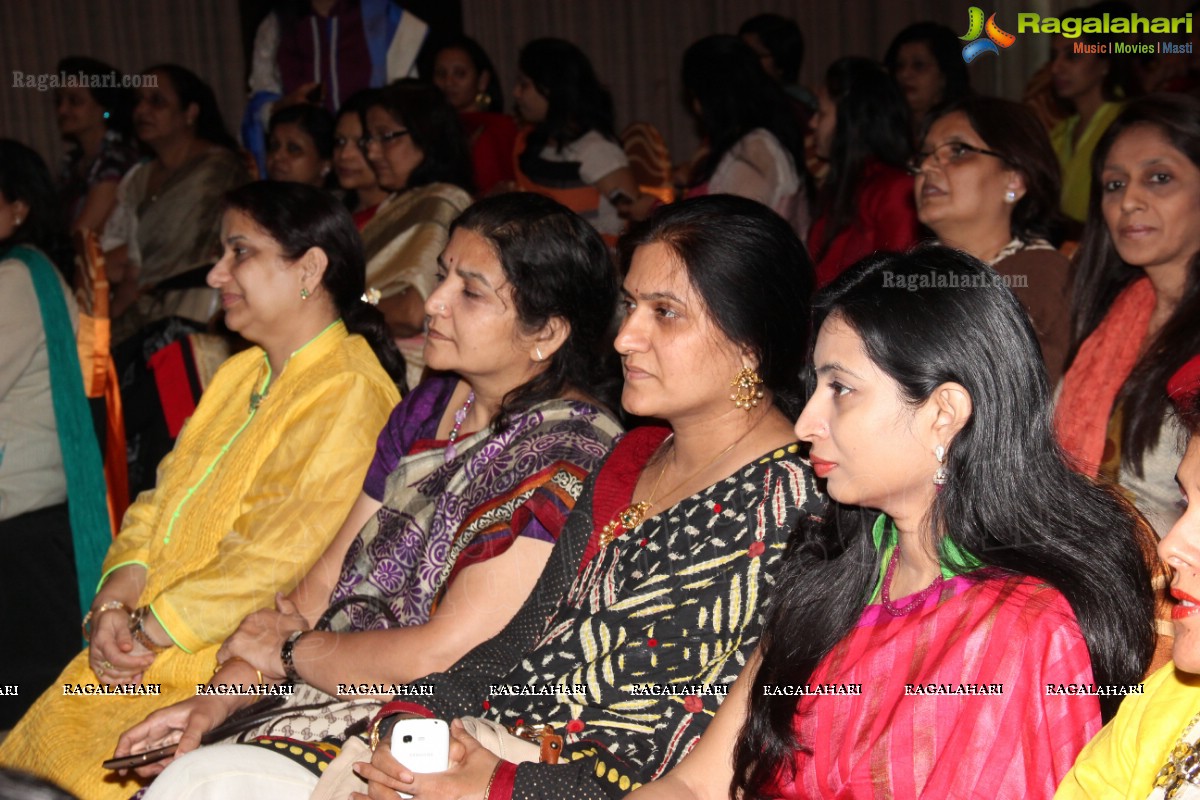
{"x":459,"y":691}
{"x":676,"y":604}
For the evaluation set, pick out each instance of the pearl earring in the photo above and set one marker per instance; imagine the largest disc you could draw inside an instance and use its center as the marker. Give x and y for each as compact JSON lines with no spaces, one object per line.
{"x":537,"y":349}
{"x":941,"y":475}
{"x":1010,"y":196}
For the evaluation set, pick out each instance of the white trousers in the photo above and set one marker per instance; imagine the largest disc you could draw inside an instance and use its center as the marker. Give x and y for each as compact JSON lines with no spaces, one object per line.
{"x":232,"y":772}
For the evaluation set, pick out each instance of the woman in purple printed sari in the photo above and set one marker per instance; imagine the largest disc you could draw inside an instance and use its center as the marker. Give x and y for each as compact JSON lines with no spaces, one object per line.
{"x":473,"y":477}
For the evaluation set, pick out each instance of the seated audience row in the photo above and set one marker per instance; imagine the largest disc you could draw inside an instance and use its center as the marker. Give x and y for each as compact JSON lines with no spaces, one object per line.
{"x":507,"y":535}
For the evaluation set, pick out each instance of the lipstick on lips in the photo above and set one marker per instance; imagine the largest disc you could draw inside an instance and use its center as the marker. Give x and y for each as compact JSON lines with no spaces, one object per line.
{"x":1188,"y":606}
{"x":821,"y":466}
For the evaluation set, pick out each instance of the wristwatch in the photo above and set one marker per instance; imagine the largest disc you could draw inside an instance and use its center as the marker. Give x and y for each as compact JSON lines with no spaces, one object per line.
{"x":287,"y":656}
{"x":137,"y":630}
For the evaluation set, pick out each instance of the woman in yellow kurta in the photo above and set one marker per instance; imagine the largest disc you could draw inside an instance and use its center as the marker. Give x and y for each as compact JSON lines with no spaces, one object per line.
{"x":258,"y":483}
{"x":1150,"y":749}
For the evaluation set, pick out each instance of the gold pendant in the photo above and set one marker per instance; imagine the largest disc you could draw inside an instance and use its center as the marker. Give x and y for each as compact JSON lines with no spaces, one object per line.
{"x":628,"y":519}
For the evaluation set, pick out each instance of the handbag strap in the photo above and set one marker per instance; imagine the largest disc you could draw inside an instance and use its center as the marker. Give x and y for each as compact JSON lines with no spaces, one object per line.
{"x":374,"y":603}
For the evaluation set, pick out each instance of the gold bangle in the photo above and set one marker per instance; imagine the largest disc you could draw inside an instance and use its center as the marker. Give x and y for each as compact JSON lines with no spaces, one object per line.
{"x":111,"y":605}
{"x":231,"y":659}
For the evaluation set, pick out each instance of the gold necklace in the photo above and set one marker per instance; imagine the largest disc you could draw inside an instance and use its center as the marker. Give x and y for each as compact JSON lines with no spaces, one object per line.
{"x":635,"y":514}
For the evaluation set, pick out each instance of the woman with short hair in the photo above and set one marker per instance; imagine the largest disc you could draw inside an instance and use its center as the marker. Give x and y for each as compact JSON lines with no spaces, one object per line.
{"x":97,"y":123}
{"x":165,"y":228}
{"x":987,"y":184}
{"x":415,"y":144}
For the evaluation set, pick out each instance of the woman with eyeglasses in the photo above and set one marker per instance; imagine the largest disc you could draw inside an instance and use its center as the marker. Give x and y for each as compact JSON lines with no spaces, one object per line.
{"x":415,"y":143}
{"x":987,"y":183}
{"x":864,"y":204}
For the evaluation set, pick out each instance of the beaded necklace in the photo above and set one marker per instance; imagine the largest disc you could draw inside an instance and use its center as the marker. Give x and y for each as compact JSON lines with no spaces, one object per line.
{"x":460,"y":417}
{"x":885,"y":594}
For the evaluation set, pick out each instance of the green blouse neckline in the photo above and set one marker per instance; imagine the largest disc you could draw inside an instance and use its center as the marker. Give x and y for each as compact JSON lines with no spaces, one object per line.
{"x":954,"y":560}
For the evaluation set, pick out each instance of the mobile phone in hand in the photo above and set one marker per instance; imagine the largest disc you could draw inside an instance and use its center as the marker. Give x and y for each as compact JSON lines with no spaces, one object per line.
{"x":135,"y":760}
{"x":422,"y":745}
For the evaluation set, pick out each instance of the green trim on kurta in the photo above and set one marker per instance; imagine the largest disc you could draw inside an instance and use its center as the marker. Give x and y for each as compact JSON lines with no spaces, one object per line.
{"x":224,"y":449}
{"x":953,"y":559}
{"x":116,"y":567}
{"x":167,"y":630}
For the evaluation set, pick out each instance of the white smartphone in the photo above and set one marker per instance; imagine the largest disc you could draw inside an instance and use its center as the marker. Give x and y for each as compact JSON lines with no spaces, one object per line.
{"x":422,"y":745}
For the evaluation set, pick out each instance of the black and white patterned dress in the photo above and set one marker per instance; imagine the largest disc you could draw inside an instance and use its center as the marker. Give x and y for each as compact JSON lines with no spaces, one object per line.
{"x":675,"y":603}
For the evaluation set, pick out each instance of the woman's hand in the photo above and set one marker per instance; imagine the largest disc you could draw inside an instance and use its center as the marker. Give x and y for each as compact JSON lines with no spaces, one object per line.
{"x":113,"y":654}
{"x":471,"y":769}
{"x":183,"y":723}
{"x":261,"y":635}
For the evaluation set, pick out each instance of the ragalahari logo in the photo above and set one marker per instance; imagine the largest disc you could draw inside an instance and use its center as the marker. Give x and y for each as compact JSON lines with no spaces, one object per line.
{"x":996,"y":40}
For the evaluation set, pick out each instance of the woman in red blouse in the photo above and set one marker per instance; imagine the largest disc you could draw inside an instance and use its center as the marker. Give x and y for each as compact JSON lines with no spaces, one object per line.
{"x":865,"y":203}
{"x":465,"y":75}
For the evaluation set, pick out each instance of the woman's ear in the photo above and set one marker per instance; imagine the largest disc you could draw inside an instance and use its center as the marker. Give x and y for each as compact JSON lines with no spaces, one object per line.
{"x":553,"y":335}
{"x":951,"y":407}
{"x":313,"y":264}
{"x":1016,"y":185}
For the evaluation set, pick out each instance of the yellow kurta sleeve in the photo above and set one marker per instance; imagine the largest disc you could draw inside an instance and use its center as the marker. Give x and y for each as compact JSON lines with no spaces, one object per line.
{"x":299,"y":497}
{"x":1107,"y":767}
{"x":132,"y":545}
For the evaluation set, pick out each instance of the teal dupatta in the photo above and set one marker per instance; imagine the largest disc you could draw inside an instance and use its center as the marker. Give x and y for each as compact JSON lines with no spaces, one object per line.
{"x":84,"y":469}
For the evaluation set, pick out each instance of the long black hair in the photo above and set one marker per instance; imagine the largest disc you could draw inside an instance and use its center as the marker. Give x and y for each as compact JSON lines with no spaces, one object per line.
{"x":872,"y":123}
{"x":735,"y":95}
{"x":782,"y":38}
{"x":1101,"y":274}
{"x":576,"y":100}
{"x":557,"y":266}
{"x":300,"y":217}
{"x":753,"y":274}
{"x":1011,"y":499}
{"x":434,"y":127}
{"x":189,"y":88}
{"x":25,"y":177}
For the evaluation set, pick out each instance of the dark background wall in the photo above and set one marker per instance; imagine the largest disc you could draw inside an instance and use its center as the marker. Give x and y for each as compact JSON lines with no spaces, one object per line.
{"x":636,"y":44}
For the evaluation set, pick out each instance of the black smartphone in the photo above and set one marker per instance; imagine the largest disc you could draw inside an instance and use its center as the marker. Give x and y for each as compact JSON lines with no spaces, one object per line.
{"x":141,"y":759}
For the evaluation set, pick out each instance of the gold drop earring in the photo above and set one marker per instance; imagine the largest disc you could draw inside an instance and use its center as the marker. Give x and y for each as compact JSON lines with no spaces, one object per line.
{"x":747,"y":389}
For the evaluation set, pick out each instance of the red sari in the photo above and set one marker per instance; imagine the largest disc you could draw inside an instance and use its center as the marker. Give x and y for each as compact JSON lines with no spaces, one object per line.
{"x":981,"y":629}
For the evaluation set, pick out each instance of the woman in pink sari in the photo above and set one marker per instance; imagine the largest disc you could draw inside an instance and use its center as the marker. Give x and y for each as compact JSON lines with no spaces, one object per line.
{"x":970,"y":609}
